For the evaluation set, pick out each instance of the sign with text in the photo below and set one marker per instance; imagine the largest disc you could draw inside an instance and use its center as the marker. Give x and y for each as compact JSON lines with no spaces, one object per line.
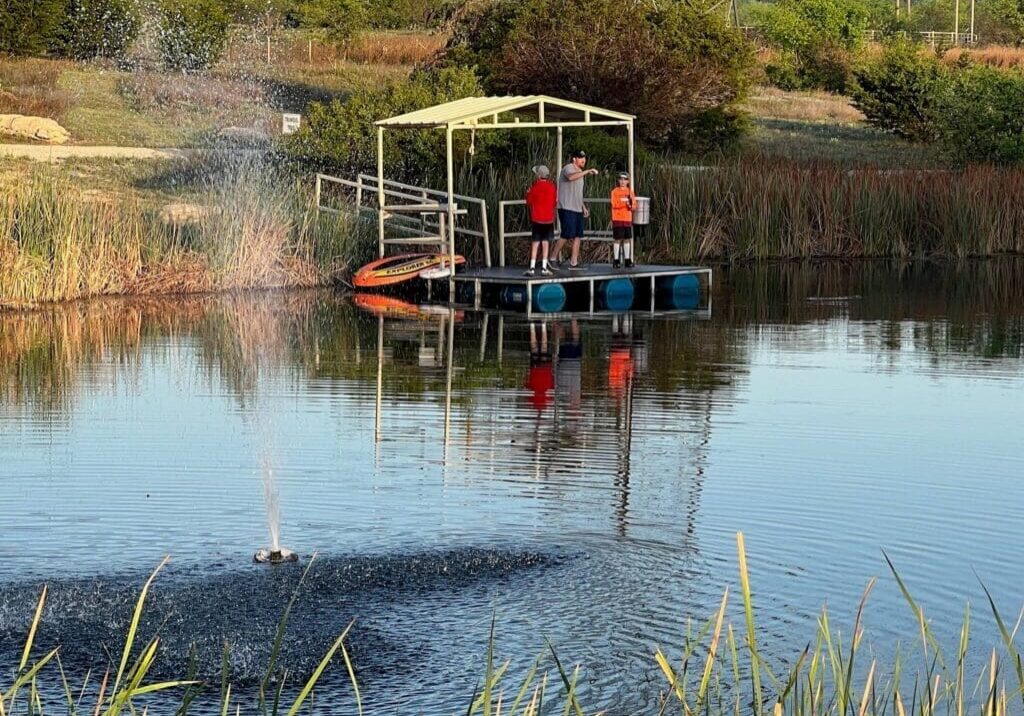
{"x":290,"y":123}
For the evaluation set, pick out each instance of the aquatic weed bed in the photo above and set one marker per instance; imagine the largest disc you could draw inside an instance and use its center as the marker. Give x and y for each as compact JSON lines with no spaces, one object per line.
{"x":719,"y":668}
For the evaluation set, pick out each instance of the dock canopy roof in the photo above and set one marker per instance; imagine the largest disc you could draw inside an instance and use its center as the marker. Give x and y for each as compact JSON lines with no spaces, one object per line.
{"x":505,"y":112}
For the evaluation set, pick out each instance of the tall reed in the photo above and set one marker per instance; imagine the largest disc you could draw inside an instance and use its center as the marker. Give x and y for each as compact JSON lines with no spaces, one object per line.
{"x":762,"y":209}
{"x":247,"y":228}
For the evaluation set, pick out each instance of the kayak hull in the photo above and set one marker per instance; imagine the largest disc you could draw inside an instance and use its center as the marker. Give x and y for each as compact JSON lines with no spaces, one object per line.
{"x":397,"y":269}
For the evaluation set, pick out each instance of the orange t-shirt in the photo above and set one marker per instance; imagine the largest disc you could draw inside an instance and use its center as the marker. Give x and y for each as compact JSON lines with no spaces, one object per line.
{"x":623,"y":203}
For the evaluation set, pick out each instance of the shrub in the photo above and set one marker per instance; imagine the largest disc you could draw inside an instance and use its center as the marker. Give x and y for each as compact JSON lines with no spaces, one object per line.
{"x":402,"y":14}
{"x":341,"y":135}
{"x":818,"y":40}
{"x":676,"y":66}
{"x":29,"y":27}
{"x":336,"y":20}
{"x":981,"y":115}
{"x":98,"y":28}
{"x":898,"y":91}
{"x":192,"y":33}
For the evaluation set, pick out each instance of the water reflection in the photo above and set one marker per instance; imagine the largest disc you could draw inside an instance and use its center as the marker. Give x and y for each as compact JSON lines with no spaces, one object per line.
{"x":827,"y":410}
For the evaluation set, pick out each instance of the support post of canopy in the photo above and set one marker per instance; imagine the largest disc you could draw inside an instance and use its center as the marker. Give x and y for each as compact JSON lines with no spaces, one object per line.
{"x":558,"y":173}
{"x":450,"y":161}
{"x":632,"y":183}
{"x":380,"y":192}
{"x":632,"y":140}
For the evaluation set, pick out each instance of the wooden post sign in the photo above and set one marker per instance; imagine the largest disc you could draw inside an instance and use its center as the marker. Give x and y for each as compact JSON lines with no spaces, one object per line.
{"x":290,"y":123}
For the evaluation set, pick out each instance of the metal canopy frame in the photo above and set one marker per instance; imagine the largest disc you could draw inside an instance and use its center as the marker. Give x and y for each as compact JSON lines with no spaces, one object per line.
{"x":478,"y":113}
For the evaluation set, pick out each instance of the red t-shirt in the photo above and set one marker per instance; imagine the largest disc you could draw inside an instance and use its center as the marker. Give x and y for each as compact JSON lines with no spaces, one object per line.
{"x":540,"y":380}
{"x":541,"y":198}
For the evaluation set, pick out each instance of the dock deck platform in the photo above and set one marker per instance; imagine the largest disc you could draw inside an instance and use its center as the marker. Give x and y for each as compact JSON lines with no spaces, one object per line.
{"x":590,"y":275}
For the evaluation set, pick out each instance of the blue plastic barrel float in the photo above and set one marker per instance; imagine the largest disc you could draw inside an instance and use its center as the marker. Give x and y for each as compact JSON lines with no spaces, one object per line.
{"x":615,"y":295}
{"x":547,"y":297}
{"x":680,"y":292}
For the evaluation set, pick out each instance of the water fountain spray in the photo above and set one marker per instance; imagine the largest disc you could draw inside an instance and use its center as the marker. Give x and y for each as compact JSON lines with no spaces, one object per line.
{"x":275,"y":553}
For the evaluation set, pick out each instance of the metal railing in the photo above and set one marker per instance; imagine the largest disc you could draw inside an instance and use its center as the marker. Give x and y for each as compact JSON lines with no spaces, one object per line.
{"x":417,"y":213}
{"x":505,"y":233}
{"x":933,"y":38}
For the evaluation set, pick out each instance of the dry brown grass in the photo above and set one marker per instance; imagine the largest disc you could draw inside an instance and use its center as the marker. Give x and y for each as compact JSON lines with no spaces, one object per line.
{"x":296,"y":49}
{"x":815,"y":106}
{"x":31,"y":86}
{"x":1004,"y":56}
{"x":388,"y":48}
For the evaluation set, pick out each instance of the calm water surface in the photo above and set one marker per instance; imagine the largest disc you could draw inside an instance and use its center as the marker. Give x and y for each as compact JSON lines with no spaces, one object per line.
{"x":582,"y":481}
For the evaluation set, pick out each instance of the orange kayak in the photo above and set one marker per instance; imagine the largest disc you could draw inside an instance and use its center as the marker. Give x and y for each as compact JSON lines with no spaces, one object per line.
{"x":395,"y":269}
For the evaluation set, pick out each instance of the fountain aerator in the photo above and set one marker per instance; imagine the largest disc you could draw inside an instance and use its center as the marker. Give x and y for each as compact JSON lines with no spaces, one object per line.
{"x":275,"y":556}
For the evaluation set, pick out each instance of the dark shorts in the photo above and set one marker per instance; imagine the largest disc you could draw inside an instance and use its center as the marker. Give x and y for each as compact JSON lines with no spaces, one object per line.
{"x":541,"y":232}
{"x":572,"y":223}
{"x":621,"y":231}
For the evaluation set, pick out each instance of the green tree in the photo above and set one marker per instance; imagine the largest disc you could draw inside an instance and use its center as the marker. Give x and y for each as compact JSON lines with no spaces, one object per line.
{"x":981,"y":115}
{"x":818,"y":40}
{"x":899,"y":90}
{"x":192,"y":33}
{"x":680,"y":68}
{"x":29,"y":27}
{"x":337,"y":20}
{"x":98,"y":28}
{"x":341,"y":135}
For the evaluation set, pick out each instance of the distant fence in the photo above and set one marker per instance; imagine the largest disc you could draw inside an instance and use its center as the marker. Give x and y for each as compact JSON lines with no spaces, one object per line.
{"x":932,"y":38}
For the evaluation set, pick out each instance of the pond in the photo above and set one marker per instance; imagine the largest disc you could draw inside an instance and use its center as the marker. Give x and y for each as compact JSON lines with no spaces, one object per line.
{"x":579,"y":480}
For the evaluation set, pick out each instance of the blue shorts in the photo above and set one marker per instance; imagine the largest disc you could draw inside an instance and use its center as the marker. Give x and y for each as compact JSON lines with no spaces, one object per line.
{"x":572,"y":223}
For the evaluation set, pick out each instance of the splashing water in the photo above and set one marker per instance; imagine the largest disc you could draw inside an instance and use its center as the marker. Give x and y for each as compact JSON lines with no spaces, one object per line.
{"x":272,"y":499}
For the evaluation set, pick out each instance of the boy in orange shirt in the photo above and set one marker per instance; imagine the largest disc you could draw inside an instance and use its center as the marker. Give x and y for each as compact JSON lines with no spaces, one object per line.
{"x":623,"y":206}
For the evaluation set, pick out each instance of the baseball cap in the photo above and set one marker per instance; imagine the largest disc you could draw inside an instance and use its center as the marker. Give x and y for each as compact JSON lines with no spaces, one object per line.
{"x":542,"y":171}
{"x":623,"y":175}
{"x":579,"y":154}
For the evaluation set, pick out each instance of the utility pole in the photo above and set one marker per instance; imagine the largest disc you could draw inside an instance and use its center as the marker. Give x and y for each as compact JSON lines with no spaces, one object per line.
{"x":972,"y":21}
{"x":956,"y":22}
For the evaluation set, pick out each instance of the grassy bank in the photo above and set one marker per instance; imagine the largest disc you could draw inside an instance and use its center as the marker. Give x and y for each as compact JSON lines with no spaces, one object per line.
{"x":720,"y":668}
{"x":237,"y":225}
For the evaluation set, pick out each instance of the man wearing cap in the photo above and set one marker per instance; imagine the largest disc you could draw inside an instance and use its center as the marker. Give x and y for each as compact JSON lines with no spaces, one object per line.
{"x":571,"y":208}
{"x":540,"y":200}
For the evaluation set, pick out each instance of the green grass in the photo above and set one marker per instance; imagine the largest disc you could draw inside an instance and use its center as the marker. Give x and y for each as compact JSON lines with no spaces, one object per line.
{"x":848,"y":144}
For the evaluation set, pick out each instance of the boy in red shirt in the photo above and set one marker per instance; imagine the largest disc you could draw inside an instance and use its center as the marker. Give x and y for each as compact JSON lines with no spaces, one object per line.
{"x":540,"y":200}
{"x":623,"y":205}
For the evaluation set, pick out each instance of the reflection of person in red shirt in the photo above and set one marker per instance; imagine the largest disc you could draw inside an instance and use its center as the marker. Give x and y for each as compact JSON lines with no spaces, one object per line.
{"x":541,"y":378}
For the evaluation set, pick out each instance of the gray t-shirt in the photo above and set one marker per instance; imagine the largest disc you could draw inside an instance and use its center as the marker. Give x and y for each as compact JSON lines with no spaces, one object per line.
{"x":570,"y":193}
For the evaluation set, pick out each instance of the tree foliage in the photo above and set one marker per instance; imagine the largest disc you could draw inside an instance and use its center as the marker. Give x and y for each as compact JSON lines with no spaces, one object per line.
{"x":973,"y":112}
{"x":341,"y":135}
{"x":337,"y":20}
{"x":899,"y":91}
{"x":98,"y":28}
{"x":192,"y":33}
{"x":817,"y":39}
{"x":29,"y":27}
{"x":679,"y":67}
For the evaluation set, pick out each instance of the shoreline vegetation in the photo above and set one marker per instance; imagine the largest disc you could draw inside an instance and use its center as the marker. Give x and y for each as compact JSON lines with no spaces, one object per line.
{"x":718,"y":669}
{"x":249,"y":224}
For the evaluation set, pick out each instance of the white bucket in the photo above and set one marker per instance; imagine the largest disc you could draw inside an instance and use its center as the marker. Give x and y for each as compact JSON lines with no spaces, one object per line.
{"x":642,"y":213}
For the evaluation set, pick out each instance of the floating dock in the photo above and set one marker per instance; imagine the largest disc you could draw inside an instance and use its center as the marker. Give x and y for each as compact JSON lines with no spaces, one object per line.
{"x":595,"y":286}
